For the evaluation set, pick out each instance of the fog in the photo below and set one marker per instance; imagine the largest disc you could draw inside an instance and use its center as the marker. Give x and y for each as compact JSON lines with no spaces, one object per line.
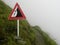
{"x":44,"y":13}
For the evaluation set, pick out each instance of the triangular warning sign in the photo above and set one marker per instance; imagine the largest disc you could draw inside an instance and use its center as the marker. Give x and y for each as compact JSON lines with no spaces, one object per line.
{"x":17,"y":13}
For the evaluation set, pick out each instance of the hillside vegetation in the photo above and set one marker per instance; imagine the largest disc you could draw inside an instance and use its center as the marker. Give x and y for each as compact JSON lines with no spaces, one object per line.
{"x":28,"y":35}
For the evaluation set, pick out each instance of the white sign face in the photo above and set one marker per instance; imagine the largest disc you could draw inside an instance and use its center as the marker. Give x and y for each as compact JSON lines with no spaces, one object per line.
{"x":14,"y":13}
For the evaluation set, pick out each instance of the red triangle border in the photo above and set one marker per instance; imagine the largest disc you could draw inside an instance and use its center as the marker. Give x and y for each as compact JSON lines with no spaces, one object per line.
{"x":17,"y":18}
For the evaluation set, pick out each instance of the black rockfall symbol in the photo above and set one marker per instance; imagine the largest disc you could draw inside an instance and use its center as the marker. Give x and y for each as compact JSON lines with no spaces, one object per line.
{"x":18,"y":13}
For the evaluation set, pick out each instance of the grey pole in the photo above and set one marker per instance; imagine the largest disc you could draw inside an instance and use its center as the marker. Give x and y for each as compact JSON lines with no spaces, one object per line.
{"x":17,"y":28}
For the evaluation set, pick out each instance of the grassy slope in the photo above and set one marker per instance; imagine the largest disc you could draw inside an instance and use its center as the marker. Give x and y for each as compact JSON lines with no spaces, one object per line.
{"x":31,"y":35}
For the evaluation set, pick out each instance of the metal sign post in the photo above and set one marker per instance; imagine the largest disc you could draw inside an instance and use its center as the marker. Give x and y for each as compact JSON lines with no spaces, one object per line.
{"x":17,"y":28}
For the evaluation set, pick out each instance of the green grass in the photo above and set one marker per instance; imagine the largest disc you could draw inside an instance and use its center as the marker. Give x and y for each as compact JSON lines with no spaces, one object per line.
{"x":31,"y":35}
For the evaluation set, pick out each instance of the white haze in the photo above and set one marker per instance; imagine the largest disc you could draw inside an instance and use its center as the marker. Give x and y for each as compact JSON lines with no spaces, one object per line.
{"x":44,"y":13}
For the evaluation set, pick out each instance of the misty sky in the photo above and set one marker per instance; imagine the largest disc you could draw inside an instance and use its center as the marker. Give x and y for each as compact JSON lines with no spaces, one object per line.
{"x":44,"y":13}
